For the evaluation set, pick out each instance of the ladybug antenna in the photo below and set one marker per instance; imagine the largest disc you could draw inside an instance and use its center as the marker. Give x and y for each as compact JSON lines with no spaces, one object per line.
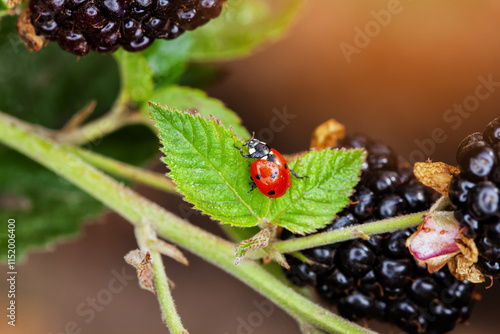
{"x":249,"y":140}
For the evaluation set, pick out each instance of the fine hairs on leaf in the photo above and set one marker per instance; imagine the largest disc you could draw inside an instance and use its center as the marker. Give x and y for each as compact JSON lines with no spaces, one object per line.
{"x":213,"y":176}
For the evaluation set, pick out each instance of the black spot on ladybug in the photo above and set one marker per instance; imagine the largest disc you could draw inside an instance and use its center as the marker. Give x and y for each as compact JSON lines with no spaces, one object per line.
{"x":258,"y":176}
{"x":271,"y":192}
{"x":273,"y":175}
{"x":286,"y":166}
{"x":271,"y":158}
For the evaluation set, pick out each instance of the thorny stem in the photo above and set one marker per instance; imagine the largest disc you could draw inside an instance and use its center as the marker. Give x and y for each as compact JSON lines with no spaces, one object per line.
{"x":306,"y":328}
{"x":348,"y":233}
{"x":120,"y":115}
{"x":167,"y":305}
{"x":135,"y":208}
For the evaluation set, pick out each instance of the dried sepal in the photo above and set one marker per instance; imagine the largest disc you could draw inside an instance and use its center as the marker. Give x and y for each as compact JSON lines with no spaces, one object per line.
{"x":143,"y":263}
{"x":464,"y":265}
{"x":27,"y":32}
{"x":327,"y":134}
{"x":436,"y":175}
{"x":463,"y":269}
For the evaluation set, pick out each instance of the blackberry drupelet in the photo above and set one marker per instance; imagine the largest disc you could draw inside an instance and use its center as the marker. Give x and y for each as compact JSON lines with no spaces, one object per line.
{"x":475,"y":192}
{"x":378,"y":278}
{"x":104,"y":25}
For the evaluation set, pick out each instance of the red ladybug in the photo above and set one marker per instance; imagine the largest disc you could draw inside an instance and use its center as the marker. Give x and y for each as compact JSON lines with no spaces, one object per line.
{"x":270,"y":173}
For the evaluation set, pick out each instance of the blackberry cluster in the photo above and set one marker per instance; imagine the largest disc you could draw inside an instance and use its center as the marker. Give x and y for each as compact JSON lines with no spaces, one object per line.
{"x":104,"y":25}
{"x":378,"y":278}
{"x":475,"y":192}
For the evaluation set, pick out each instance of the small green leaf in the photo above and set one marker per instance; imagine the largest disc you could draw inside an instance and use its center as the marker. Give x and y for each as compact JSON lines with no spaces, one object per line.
{"x":137,"y":78}
{"x":214,"y":177}
{"x":185,"y":98}
{"x":168,"y":59}
{"x":258,"y":241}
{"x":241,"y":27}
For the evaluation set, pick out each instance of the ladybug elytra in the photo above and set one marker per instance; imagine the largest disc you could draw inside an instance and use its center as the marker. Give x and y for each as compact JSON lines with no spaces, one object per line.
{"x":270,"y":173}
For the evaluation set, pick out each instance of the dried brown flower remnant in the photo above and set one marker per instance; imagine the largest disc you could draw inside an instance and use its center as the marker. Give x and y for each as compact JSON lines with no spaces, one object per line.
{"x":327,"y":134}
{"x":142,"y":262}
{"x":436,"y":175}
{"x":12,"y":3}
{"x":27,"y":32}
{"x":464,"y":265}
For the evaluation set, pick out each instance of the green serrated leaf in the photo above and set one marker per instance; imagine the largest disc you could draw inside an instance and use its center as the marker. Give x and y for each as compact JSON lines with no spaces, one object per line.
{"x":168,"y":59}
{"x":185,"y":98}
{"x":137,"y":78}
{"x":241,"y":27}
{"x":311,"y":204}
{"x":213,"y":176}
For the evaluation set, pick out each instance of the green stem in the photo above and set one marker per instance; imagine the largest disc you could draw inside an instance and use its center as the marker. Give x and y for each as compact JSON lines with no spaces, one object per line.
{"x":306,"y":328}
{"x":348,"y":233}
{"x":120,"y":115}
{"x":122,"y":169}
{"x":136,"y":209}
{"x":167,"y":305}
{"x":145,"y":236}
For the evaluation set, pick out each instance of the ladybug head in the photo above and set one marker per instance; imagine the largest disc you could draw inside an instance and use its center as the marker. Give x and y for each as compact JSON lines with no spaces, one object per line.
{"x":257,"y":148}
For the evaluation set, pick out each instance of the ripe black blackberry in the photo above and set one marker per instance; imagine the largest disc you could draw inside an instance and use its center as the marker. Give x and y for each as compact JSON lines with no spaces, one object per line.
{"x":104,"y":25}
{"x":378,"y":278}
{"x":475,"y":192}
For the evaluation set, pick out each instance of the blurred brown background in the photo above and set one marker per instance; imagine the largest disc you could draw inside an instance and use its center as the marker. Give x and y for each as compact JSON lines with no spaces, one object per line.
{"x":397,"y":86}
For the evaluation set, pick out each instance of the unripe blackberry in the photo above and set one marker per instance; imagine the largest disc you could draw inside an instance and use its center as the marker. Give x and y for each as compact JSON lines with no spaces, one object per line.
{"x":379,"y":278}
{"x":104,"y":25}
{"x":475,"y":192}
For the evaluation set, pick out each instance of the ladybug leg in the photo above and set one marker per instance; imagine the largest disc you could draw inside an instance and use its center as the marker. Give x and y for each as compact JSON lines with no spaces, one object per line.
{"x":295,"y":174}
{"x":253,"y":186}
{"x":241,"y":151}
